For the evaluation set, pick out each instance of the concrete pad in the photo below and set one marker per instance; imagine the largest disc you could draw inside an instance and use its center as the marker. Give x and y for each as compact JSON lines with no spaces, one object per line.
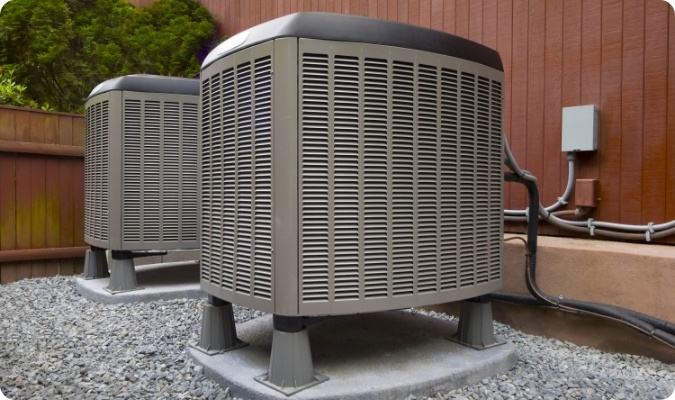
{"x":369,"y":356}
{"x":165,"y":281}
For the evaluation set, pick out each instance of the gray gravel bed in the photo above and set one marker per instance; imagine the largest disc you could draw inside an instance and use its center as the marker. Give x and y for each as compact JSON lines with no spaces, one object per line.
{"x":56,"y":345}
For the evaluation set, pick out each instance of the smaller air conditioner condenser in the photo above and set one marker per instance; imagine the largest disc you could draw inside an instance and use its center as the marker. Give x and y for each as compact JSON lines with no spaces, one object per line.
{"x":141,"y":170}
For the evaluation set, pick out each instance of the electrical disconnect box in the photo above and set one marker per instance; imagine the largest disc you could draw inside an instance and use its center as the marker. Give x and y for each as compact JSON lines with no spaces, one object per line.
{"x":580,"y":128}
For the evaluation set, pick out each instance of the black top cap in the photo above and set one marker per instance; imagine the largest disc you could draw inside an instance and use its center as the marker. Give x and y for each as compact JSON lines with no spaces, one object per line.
{"x":149,"y":84}
{"x":350,"y":28}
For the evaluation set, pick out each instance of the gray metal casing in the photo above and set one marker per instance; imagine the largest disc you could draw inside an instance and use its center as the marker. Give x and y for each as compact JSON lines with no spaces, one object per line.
{"x":141,"y":164}
{"x":342,"y":177}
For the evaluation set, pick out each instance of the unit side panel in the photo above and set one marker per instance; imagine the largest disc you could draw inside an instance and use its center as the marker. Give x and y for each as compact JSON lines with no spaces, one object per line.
{"x":400,"y":193}
{"x":236,"y":178}
{"x":96,"y":166}
{"x":159,"y":171}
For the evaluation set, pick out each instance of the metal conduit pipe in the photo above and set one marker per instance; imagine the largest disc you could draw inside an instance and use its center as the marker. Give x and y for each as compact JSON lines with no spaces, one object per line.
{"x":650,"y":231}
{"x":601,"y":310}
{"x":562,"y":200}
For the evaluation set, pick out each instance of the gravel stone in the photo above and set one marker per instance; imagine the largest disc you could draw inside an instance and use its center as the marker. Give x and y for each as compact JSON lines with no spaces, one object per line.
{"x":56,"y":345}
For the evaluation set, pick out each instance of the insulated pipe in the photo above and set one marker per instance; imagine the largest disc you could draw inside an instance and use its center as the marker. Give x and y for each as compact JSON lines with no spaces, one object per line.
{"x":572,"y":305}
{"x":562,"y":200}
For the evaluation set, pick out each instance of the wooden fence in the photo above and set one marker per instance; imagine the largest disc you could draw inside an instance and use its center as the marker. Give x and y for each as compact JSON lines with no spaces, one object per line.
{"x":41,"y":193}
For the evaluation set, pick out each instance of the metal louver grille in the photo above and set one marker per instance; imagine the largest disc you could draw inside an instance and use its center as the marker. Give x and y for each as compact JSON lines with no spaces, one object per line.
{"x":401,"y":177}
{"x":237,"y":178}
{"x":159,"y":173}
{"x":96,"y":171}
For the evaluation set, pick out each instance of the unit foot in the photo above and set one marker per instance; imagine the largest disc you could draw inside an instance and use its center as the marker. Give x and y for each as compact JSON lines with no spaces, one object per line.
{"x":475,"y":328}
{"x":95,"y":263}
{"x":291,"y":369}
{"x":122,"y":273}
{"x":219,"y":333}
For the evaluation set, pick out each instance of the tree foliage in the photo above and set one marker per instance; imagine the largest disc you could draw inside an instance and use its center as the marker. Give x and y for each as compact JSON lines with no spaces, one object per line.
{"x":61,"y":49}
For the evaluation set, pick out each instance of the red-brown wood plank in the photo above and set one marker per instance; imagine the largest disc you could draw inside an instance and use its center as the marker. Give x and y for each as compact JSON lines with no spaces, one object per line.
{"x":490,"y":23}
{"x":23,"y":211}
{"x":476,"y":21}
{"x":670,"y":136}
{"x":382,"y":9}
{"x":425,"y":13}
{"x":591,"y":69}
{"x":519,"y":84}
{"x":403,"y":13}
{"x":38,"y":195}
{"x":462,"y":18}
{"x":413,"y":12}
{"x":571,"y":69}
{"x":7,"y":196}
{"x":67,"y":178}
{"x":7,"y":213}
{"x":78,"y":204}
{"x":78,"y":131}
{"x":392,"y":10}
{"x":553,"y":185}
{"x":609,"y":135}
{"x":535,"y":94}
{"x":449,"y":17}
{"x":436,"y":10}
{"x":504,"y":47}
{"x":52,"y":192}
{"x":654,"y":156}
{"x":632,"y":110}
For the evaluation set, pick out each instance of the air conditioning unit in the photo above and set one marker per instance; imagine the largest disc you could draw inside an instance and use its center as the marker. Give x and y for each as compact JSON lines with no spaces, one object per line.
{"x":141,"y":169}
{"x":350,"y":165}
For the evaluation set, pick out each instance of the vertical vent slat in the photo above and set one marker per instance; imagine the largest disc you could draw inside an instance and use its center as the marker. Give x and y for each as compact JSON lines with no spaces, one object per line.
{"x":314,"y":93}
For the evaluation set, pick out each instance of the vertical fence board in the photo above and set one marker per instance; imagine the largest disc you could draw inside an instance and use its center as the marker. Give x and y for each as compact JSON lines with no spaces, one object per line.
{"x":632,"y":109}
{"x":609,"y":135}
{"x":553,"y":70}
{"x":591,"y":61}
{"x":490,"y":23}
{"x":7,"y":212}
{"x":476,"y":21}
{"x":403,"y":14}
{"x":413,"y":12}
{"x":23,"y":211}
{"x":670,"y":136}
{"x":38,"y":195}
{"x":536,"y":75}
{"x":519,"y":86}
{"x":7,"y":196}
{"x":462,"y":18}
{"x":504,"y":47}
{"x":656,"y":111}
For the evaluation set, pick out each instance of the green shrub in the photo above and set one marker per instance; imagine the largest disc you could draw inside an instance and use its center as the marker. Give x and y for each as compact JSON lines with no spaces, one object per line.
{"x":59,"y":50}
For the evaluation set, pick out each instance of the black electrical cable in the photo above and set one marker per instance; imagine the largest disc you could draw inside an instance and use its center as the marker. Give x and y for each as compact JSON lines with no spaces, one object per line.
{"x":602,"y":310}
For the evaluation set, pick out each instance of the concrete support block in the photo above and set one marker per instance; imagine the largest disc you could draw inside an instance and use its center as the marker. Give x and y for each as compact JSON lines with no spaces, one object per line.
{"x":475,"y":328}
{"x":291,"y":369}
{"x":219,"y":332}
{"x":122,"y":275}
{"x":95,"y":264}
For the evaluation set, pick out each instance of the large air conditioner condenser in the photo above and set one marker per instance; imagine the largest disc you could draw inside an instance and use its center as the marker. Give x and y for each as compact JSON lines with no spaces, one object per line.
{"x":349,"y":165}
{"x":141,"y":172}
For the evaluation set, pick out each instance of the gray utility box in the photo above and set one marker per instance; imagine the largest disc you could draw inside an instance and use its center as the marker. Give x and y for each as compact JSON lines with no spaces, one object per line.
{"x":141,"y":164}
{"x":350,"y":165}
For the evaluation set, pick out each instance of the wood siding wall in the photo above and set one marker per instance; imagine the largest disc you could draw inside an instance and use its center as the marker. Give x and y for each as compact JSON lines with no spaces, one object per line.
{"x":618,"y":55}
{"x":41,"y":196}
